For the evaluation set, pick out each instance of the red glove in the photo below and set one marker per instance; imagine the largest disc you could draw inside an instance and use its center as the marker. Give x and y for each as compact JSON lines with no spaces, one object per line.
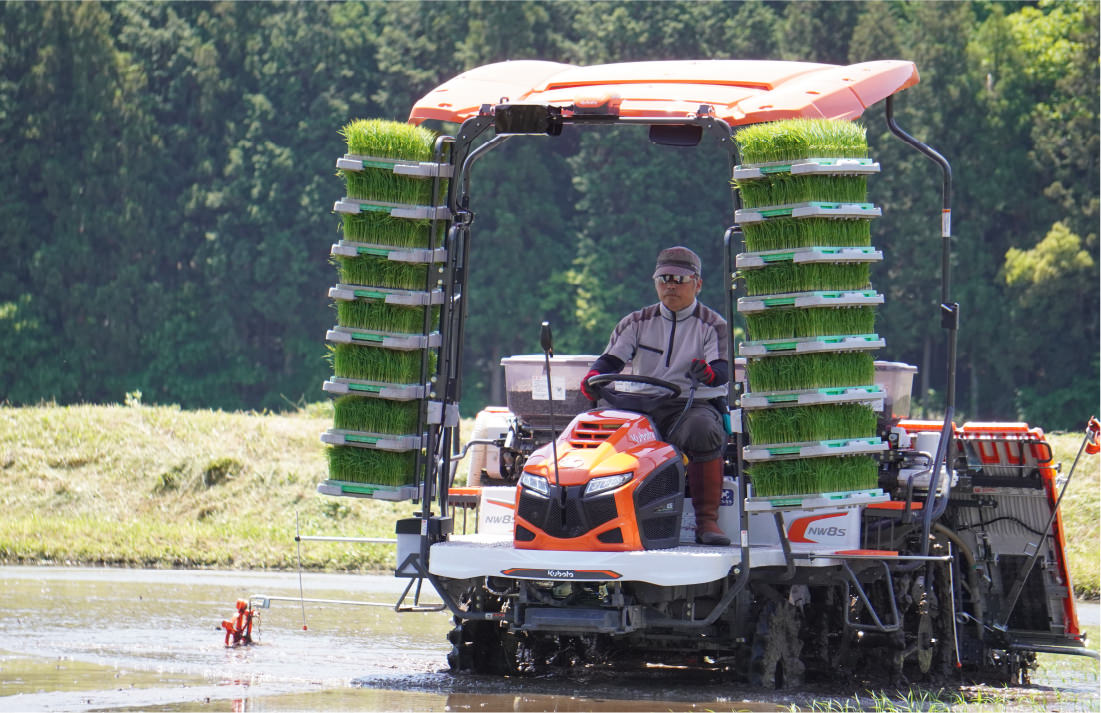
{"x":702,"y":372}
{"x":584,"y":389}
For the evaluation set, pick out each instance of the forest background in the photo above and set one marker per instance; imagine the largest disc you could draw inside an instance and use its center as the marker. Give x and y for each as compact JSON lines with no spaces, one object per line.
{"x":167,"y":207}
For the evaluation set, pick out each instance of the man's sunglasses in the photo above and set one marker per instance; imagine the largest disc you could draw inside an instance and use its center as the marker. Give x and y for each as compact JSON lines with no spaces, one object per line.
{"x":675,"y":279}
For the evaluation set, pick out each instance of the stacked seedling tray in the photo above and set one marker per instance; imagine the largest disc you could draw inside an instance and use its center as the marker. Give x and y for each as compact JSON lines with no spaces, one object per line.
{"x":384,"y":345}
{"x":809,"y":309}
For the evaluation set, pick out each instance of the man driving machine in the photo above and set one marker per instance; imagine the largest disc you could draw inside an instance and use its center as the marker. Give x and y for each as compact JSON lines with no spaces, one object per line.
{"x":682,"y":341}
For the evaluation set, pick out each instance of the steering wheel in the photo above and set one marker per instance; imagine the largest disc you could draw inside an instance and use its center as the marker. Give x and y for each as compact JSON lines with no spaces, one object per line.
{"x":598,"y":385}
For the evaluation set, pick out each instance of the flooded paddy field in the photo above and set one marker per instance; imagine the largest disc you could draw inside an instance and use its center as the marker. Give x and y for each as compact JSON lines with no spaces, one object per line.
{"x":77,"y":639}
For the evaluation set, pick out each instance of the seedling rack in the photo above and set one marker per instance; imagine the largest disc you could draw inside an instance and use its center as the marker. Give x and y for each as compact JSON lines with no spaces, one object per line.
{"x":432,"y":253}
{"x":873,"y":395}
{"x":763,"y":258}
{"x":338,"y":386}
{"x":410,"y":298}
{"x":809,"y":209}
{"x":803,"y":300}
{"x":807,"y":167}
{"x":811,"y":345}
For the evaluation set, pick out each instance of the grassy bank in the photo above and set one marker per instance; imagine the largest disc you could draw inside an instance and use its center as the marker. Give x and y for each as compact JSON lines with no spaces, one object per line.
{"x":161,"y":487}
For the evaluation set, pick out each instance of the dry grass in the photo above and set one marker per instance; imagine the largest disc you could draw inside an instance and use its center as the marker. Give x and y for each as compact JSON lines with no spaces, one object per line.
{"x":157,"y":486}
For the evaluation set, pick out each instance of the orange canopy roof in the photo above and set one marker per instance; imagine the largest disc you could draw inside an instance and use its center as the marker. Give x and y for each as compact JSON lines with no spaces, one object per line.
{"x":740,"y":91}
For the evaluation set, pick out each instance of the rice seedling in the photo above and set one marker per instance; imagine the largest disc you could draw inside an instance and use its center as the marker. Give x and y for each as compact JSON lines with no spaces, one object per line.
{"x":354,"y":361}
{"x":784,"y":188}
{"x":805,"y":476}
{"x":386,"y":317}
{"x":782,"y":277}
{"x":782,"y":233}
{"x":796,"y":424}
{"x":372,"y":271}
{"x":795,"y":139}
{"x":365,"y":465}
{"x":810,"y":371}
{"x":379,"y":228}
{"x":389,"y":139}
{"x":382,"y":184}
{"x":358,"y":413}
{"x":812,"y":322}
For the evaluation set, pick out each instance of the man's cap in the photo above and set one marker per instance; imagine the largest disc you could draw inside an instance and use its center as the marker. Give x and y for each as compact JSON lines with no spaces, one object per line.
{"x":677,"y":261}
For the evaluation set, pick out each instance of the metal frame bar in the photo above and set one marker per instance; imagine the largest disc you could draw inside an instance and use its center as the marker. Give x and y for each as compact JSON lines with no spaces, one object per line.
{"x":950,"y":321}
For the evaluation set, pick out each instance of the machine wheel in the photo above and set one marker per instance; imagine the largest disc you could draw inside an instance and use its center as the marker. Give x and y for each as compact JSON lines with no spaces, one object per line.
{"x":775,"y":659}
{"x":926,"y":643}
{"x":482,"y":647}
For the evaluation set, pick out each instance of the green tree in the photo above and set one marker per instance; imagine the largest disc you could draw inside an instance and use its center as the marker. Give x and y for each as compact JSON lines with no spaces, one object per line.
{"x":78,"y":141}
{"x":1059,"y":386}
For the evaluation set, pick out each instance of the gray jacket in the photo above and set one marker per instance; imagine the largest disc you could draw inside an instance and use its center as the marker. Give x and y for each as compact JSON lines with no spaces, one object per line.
{"x":662,"y":344}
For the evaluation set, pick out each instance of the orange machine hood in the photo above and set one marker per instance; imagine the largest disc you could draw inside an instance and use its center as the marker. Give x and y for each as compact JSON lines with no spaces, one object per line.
{"x":739,"y":91}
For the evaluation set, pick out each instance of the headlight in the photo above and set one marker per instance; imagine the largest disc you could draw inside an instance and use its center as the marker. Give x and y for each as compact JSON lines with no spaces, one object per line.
{"x":534,"y":482}
{"x":607,"y":482}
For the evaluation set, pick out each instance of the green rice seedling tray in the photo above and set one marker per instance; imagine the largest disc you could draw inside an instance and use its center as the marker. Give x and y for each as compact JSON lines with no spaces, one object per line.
{"x":778,"y":189}
{"x":813,"y":449}
{"x":816,"y":501}
{"x":360,"y":413}
{"x":800,"y":256}
{"x":810,"y":209}
{"x":873,"y":394}
{"x":797,"y":139}
{"x":787,"y":233}
{"x":807,"y":167}
{"x":355,"y":206}
{"x":400,"y":167}
{"x":815,"y":322}
{"x":394,"y":366}
{"x":371,"y":466}
{"x":383,"y":229}
{"x":391,"y":274}
{"x":377,"y":389}
{"x":801,"y":424}
{"x":400,"y":319}
{"x":810,"y":371}
{"x":380,"y":441}
{"x":388,"y":340}
{"x":368,"y":490}
{"x":409,"y":298}
{"x":808,"y":300}
{"x":347,"y":248}
{"x":789,"y":277}
{"x":811,"y":345}
{"x":800,"y":477}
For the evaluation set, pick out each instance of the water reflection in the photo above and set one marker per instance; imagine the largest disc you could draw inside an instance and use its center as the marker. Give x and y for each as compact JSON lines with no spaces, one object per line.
{"x":97,"y":639}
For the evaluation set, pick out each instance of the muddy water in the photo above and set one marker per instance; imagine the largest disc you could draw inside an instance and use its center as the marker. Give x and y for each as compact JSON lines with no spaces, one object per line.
{"x":105,"y":639}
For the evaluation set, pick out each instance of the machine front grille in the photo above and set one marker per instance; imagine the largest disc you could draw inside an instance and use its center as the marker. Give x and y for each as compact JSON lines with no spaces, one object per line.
{"x":578,"y":516}
{"x":660,"y":528}
{"x":660,"y":485}
{"x":532,"y":507}
{"x":601,"y":510}
{"x":590,"y":434}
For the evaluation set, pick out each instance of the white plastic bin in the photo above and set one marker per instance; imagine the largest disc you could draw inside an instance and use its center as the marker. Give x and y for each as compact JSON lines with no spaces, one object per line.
{"x":529,"y":396}
{"x":897,"y":379}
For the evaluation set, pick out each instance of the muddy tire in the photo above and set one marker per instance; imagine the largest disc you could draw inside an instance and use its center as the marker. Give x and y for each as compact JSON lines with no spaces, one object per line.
{"x":776,"y":649}
{"x":479,"y":646}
